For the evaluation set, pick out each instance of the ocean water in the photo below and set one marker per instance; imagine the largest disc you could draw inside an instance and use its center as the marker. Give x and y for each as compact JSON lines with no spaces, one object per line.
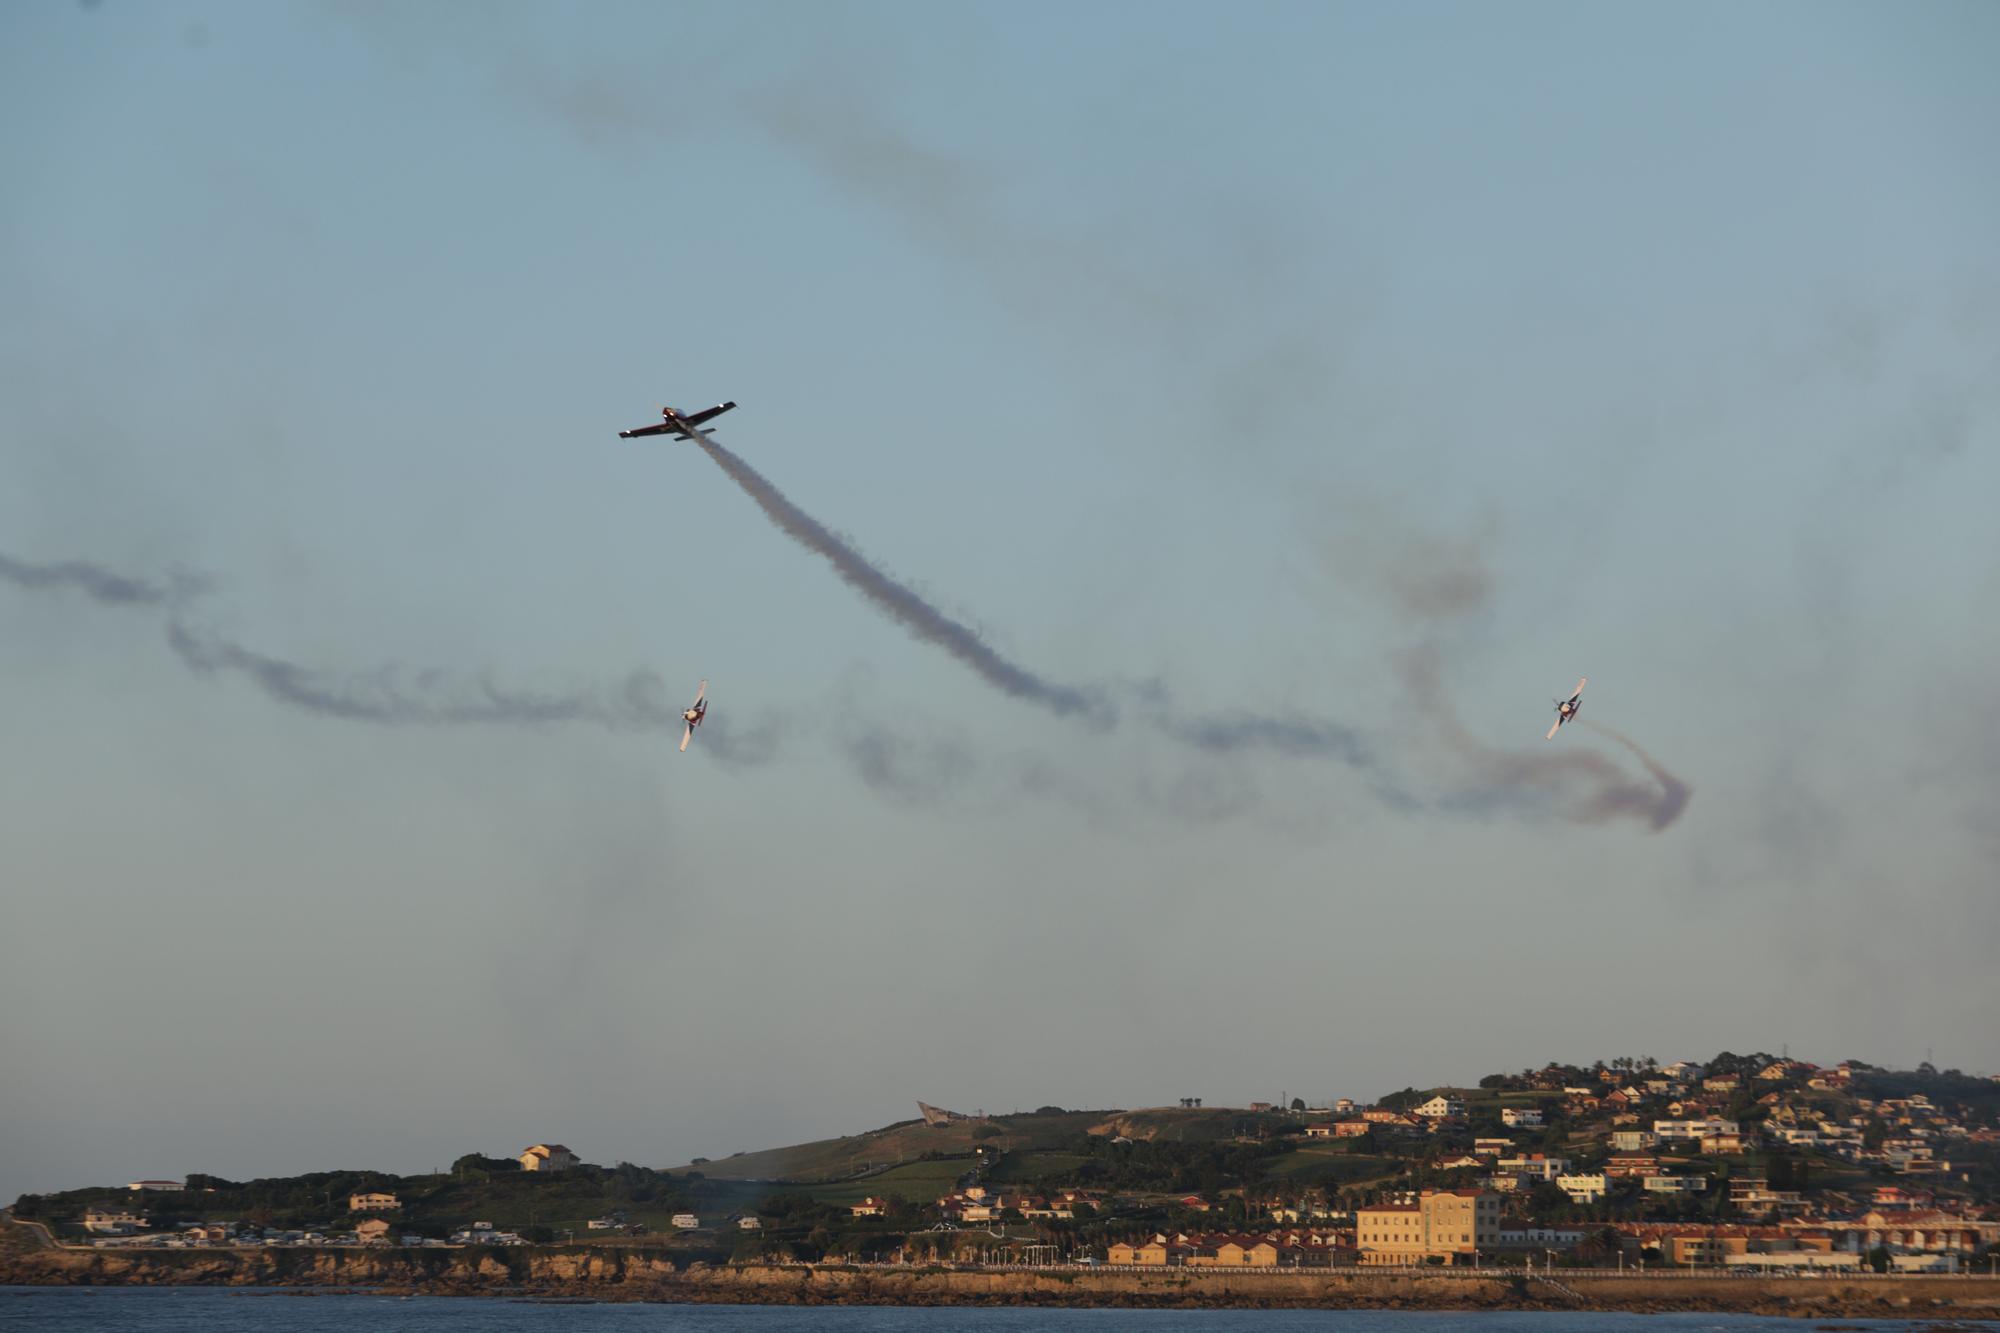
{"x":197,"y":1310}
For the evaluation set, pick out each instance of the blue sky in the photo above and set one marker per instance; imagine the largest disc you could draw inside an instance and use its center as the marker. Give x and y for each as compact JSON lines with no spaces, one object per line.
{"x":1259,"y":362}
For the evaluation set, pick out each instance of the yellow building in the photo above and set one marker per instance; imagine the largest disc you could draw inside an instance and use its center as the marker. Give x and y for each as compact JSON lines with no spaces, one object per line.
{"x":547,"y":1157}
{"x":1439,"y":1223}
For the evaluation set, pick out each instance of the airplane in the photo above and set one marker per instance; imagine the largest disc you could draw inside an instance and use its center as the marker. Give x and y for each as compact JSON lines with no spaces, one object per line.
{"x":679,"y":426}
{"x":694,"y":715}
{"x":1567,"y":709}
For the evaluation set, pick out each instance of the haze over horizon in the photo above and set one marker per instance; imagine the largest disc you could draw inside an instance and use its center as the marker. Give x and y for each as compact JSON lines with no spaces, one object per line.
{"x":1234,"y":425}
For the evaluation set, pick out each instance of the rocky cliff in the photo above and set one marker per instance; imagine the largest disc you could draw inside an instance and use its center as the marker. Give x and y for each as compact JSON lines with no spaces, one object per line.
{"x":618,"y":1273}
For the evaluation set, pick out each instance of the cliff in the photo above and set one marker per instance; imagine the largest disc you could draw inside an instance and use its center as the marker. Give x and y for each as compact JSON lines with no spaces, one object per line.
{"x":613,"y":1273}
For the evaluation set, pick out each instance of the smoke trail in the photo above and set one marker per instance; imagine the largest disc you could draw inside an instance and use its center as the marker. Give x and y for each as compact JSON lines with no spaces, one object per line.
{"x":98,"y":583}
{"x":1298,"y":737}
{"x":901,"y":603}
{"x":393,"y":696}
{"x":1674,"y":793}
{"x":1581,"y":786}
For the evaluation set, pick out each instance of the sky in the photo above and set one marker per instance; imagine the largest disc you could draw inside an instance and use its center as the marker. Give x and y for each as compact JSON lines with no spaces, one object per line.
{"x":1203,"y":438}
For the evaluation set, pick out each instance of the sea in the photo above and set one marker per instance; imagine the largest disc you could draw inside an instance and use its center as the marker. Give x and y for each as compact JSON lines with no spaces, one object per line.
{"x":200,"y":1310}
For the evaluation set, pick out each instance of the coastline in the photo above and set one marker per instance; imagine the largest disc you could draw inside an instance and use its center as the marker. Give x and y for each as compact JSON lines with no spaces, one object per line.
{"x":619,"y":1274}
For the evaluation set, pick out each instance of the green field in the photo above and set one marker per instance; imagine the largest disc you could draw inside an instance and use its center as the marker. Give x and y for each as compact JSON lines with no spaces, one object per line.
{"x":1332,"y":1166}
{"x":1047,"y":1169}
{"x":917,"y":1182}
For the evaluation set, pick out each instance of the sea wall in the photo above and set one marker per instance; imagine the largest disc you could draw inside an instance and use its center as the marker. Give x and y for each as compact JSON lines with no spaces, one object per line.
{"x":608,"y":1273}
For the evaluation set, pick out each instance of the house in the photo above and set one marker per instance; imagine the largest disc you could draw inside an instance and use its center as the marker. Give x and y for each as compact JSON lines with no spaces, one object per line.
{"x":372,"y":1231}
{"x":686,"y":1222}
{"x":1441,"y":1107}
{"x":609,"y":1222}
{"x":1693,"y":1131}
{"x":1633,"y":1140}
{"x":1581,"y":1188}
{"x":1664,"y":1184}
{"x":547,"y":1157}
{"x":749,"y":1222}
{"x":1323,"y":1130}
{"x":1351,"y":1129}
{"x":372,"y":1201}
{"x":1516,"y":1235}
{"x":870,"y":1207}
{"x":1457,"y":1160}
{"x":1517,"y":1117}
{"x":1492,"y":1147}
{"x":1724,"y":1144}
{"x":1624,"y":1165}
{"x":156,"y":1186}
{"x":1232,"y":1252}
{"x":1157,"y":1252}
{"x":113,"y":1220}
{"x":1538,"y":1166}
{"x":969,"y":1205}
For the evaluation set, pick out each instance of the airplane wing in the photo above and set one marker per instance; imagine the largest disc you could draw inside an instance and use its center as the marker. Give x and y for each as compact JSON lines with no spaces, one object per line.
{"x":1579,"y":686}
{"x":700,"y":693}
{"x":1551,"y":736}
{"x":685,"y":735}
{"x":661,"y":429}
{"x":707,"y":414}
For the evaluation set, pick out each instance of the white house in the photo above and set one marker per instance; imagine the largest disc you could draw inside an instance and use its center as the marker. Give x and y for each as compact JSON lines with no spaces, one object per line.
{"x":1582,"y":1189}
{"x":113,"y":1220}
{"x":1556,"y":1237}
{"x":1676,"y":1184}
{"x":1441,"y":1107}
{"x":687,"y":1221}
{"x":1693,"y":1131}
{"x":372,"y":1201}
{"x":1535,"y":1165}
{"x":749,"y":1222}
{"x":1515,"y":1117}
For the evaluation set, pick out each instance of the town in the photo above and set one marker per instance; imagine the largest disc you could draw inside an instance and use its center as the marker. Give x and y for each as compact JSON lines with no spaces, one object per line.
{"x":1747,"y":1163}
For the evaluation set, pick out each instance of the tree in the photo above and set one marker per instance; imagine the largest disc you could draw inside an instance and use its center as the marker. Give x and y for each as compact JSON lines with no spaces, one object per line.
{"x":1298,"y":1103}
{"x":474,"y":1164}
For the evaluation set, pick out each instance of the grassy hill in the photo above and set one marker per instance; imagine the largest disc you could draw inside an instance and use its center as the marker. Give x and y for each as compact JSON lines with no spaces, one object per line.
{"x":862,"y":1155}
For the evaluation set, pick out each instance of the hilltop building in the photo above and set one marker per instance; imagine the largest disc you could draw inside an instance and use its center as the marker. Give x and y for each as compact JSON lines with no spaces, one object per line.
{"x":548,"y":1157}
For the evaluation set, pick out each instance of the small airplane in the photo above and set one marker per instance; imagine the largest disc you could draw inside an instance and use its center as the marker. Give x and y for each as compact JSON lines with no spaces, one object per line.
{"x":1567,"y":709}
{"x":674,"y":423}
{"x":694,"y":715}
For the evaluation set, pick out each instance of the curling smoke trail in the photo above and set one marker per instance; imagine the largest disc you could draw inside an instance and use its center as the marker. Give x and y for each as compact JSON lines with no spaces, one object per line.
{"x":1674,"y":793}
{"x":901,"y":603}
{"x":1581,"y":786}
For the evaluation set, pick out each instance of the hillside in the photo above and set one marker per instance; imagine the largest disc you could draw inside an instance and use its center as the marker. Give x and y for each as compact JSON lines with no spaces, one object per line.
{"x":907,"y":1141}
{"x":861,"y":1155}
